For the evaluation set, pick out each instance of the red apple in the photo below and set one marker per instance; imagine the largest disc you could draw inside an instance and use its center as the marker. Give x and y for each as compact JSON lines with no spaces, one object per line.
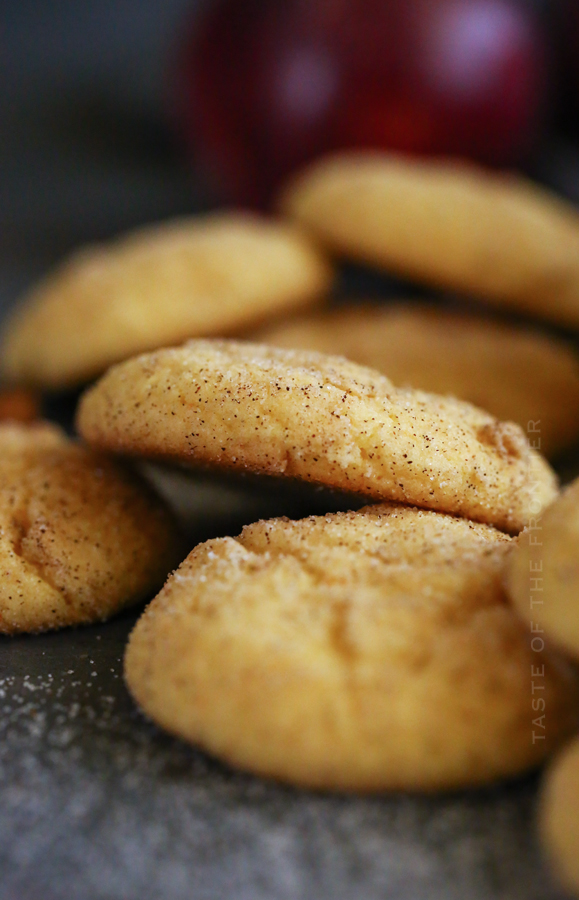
{"x":265,"y":85}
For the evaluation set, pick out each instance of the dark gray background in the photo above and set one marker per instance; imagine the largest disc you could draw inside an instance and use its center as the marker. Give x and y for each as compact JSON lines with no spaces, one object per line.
{"x":96,"y":803}
{"x":83,"y":153}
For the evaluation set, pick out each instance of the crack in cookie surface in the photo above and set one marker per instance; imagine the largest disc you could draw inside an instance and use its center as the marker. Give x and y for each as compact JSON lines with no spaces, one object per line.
{"x":359,"y":650}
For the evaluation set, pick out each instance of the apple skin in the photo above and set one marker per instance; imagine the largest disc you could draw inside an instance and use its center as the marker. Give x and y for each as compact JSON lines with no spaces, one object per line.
{"x":263,"y":86}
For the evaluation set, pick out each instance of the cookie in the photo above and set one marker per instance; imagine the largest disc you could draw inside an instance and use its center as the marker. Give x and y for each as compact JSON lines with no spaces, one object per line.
{"x":354,"y":651}
{"x":316,"y":418}
{"x":19,"y":439}
{"x":80,"y":536}
{"x":158,"y":286}
{"x":543,"y":576}
{"x":448,"y":225}
{"x":558,"y":816}
{"x":515,"y":373}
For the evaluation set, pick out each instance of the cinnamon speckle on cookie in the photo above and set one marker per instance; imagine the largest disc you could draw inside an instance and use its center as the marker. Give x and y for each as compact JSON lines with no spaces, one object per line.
{"x":251,"y":407}
{"x":355,"y":651}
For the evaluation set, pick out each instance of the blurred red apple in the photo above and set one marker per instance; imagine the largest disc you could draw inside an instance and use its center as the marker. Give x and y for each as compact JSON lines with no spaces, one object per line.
{"x":262,"y":86}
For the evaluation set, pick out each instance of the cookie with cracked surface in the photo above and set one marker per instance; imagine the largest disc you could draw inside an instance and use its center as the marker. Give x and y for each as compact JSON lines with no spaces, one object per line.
{"x":317,"y":418}
{"x":448,"y":225}
{"x":204,"y":275}
{"x":558,"y":821}
{"x":518,"y":374}
{"x":543,"y":575}
{"x":354,"y":651}
{"x":81,"y":537}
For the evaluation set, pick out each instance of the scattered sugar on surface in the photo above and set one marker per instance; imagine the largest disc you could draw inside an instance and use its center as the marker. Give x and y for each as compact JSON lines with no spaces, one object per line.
{"x":97,"y":802}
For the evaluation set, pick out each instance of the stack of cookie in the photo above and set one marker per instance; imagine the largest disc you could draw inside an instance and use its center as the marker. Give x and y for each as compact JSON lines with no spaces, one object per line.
{"x":327,"y":651}
{"x":361,"y":650}
{"x":498,"y":239}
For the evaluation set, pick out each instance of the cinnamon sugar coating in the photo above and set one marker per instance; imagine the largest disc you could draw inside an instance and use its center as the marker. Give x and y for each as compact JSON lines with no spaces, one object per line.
{"x":317,"y":418}
{"x":354,"y":651}
{"x":81,"y":537}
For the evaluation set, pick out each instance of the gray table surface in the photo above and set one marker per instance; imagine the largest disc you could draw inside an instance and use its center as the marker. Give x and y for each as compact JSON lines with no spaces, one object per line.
{"x":95,"y":802}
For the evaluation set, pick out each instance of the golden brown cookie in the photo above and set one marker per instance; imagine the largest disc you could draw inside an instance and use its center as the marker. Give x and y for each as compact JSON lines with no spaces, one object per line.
{"x":357,"y":651}
{"x":317,"y":418}
{"x":447,"y":224}
{"x":80,"y":536}
{"x":543,"y":577}
{"x":559,"y":816}
{"x":157,"y":286}
{"x":515,"y":373}
{"x":19,"y":439}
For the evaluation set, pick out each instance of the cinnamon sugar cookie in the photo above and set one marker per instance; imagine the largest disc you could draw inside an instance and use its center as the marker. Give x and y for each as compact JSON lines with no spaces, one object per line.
{"x":80,"y":536}
{"x":447,"y":224}
{"x":355,"y":651}
{"x":156,"y":286}
{"x":515,"y":373}
{"x":543,"y":576}
{"x":316,"y":418}
{"x":558,"y":816}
